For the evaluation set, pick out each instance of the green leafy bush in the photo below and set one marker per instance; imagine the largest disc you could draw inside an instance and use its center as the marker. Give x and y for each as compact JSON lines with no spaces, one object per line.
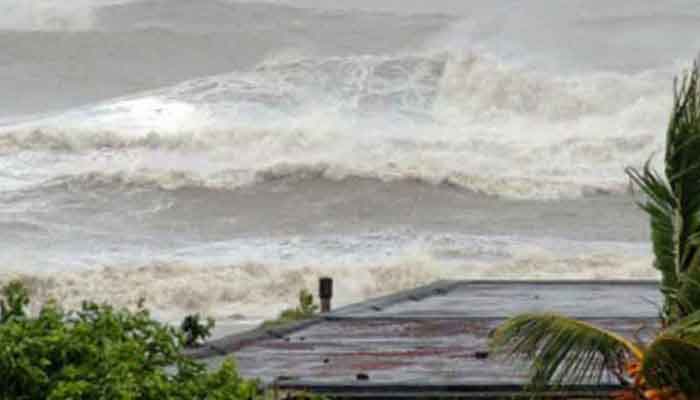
{"x":196,"y":331}
{"x":305,"y":310}
{"x":99,"y":352}
{"x":15,"y":298}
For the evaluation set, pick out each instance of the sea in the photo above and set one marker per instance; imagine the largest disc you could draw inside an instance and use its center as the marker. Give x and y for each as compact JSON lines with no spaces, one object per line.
{"x":218,"y":156}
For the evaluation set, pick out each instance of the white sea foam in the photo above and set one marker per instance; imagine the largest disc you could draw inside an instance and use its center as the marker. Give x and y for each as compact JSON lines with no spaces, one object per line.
{"x":256,"y":291}
{"x":467,"y":120}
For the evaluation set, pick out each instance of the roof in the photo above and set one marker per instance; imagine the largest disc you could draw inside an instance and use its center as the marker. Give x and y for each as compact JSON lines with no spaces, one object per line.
{"x":433,"y":339}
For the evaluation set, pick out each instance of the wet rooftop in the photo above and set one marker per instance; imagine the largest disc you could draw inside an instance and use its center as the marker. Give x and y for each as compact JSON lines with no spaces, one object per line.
{"x":435,"y":336}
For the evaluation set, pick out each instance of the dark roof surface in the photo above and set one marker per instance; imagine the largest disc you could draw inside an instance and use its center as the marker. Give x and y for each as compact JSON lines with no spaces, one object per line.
{"x":434,"y":336}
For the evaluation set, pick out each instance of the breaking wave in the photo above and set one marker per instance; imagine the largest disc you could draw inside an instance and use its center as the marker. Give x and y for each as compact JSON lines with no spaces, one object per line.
{"x":255,"y":291}
{"x":462,"y":119}
{"x":228,"y":180}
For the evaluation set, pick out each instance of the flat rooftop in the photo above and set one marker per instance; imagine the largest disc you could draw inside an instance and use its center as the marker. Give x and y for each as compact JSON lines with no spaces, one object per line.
{"x":433,"y":338}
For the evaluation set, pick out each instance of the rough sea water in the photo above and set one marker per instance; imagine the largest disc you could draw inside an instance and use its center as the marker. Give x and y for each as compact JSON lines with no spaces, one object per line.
{"x":218,"y":156}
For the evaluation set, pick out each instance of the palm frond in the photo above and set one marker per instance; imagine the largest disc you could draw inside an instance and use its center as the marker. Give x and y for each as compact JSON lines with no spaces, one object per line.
{"x":687,"y":329}
{"x":672,"y":362}
{"x":683,"y":174}
{"x":673,"y":202}
{"x":660,"y":204}
{"x":561,"y":350}
{"x":673,"y":359}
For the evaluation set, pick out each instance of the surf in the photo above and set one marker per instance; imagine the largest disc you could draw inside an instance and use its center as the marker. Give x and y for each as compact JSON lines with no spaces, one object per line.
{"x":461,"y":119}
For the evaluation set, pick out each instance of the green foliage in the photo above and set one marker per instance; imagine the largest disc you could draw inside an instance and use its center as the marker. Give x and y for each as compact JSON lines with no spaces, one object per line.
{"x":305,"y":310}
{"x":15,"y":298}
{"x":196,"y":331}
{"x":673,"y":358}
{"x":99,"y":352}
{"x":561,"y":350}
{"x":673,"y":203}
{"x":565,"y":351}
{"x":672,"y":362}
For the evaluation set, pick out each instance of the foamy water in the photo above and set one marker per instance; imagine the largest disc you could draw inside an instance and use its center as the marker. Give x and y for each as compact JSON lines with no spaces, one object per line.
{"x":460,"y":119}
{"x":220,"y":155}
{"x":257,"y":291}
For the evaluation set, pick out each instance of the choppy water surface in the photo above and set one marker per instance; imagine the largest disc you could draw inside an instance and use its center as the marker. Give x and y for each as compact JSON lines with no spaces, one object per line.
{"x":217,"y":156}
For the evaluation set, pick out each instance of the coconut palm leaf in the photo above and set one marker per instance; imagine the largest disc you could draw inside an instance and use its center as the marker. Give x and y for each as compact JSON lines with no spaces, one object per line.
{"x":673,"y":202}
{"x":673,"y":359}
{"x":683,"y":172}
{"x":561,"y":350}
{"x":660,"y":204}
{"x":686,"y":329}
{"x":672,"y":362}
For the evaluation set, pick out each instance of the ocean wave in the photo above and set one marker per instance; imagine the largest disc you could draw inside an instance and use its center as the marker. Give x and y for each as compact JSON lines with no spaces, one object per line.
{"x":445,"y":88}
{"x":256,"y":291}
{"x":500,"y":186}
{"x":461,"y":119}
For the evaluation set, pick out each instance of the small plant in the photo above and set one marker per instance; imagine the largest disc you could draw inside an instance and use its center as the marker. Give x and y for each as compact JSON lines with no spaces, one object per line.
{"x":305,"y":310}
{"x":15,"y":298}
{"x":194,"y":330}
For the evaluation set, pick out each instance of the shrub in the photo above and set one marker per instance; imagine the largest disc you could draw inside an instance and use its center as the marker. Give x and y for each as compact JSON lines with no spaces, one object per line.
{"x":194,"y":330}
{"x":99,"y":352}
{"x":15,"y":298}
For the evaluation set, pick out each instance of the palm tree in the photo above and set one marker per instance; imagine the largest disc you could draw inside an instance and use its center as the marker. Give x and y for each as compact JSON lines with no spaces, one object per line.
{"x":561,"y":350}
